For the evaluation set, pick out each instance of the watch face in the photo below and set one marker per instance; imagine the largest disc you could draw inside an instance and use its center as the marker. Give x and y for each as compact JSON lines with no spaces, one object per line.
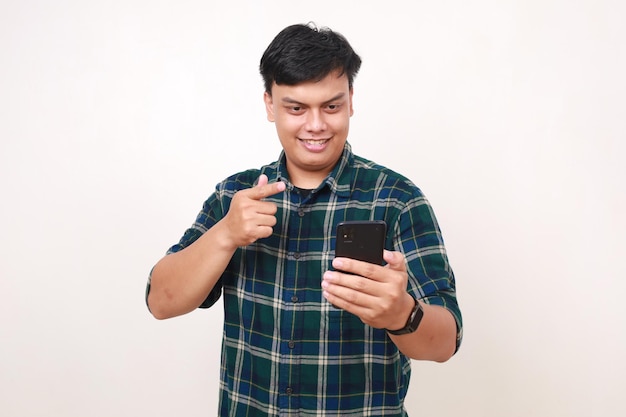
{"x":417,"y":318}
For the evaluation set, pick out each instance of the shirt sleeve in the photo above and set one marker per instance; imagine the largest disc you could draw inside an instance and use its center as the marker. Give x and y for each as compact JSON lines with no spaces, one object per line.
{"x":208,"y":216}
{"x":431,"y":278}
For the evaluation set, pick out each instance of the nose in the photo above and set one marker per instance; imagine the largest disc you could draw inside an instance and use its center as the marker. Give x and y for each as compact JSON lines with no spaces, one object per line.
{"x":315,"y":121}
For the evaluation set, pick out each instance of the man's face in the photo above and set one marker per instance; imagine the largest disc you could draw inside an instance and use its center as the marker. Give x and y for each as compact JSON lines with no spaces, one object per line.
{"x":312,"y":121}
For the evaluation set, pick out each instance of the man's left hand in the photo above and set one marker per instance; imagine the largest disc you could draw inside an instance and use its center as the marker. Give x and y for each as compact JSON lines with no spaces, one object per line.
{"x":376,"y":294}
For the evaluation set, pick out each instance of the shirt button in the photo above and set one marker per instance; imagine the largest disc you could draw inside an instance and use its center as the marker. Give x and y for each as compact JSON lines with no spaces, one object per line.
{"x":289,"y":391}
{"x":296,"y":255}
{"x":294,"y":299}
{"x":301,"y":212}
{"x":291,"y":344}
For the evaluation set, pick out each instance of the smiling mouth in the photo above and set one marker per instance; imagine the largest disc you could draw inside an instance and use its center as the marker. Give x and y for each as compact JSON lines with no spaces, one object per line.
{"x":315,"y":142}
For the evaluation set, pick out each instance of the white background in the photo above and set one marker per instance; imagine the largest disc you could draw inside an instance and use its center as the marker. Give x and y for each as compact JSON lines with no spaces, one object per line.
{"x":117,"y":119}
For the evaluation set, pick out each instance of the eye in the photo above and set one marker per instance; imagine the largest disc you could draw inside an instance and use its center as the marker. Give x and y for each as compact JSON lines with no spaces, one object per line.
{"x":295,"y":109}
{"x":332,"y":108}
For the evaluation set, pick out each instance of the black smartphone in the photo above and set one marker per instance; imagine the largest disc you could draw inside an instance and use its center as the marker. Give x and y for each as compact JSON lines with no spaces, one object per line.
{"x":361,"y":240}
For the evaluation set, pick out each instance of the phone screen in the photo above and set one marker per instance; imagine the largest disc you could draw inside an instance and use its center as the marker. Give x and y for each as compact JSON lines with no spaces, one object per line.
{"x":361,"y":240}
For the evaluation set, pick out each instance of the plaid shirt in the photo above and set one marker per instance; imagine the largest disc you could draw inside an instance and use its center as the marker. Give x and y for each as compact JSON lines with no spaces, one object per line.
{"x":285,"y":349}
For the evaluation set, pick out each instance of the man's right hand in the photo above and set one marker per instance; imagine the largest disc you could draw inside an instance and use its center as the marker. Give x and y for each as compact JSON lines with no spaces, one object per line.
{"x":249,"y":217}
{"x":182,"y":280}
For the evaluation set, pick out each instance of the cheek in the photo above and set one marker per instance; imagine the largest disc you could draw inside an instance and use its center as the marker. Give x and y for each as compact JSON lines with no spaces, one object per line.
{"x":341,"y":124}
{"x":288,"y":124}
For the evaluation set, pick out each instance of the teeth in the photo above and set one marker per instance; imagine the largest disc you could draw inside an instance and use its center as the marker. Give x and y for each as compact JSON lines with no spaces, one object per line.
{"x":315,"y":142}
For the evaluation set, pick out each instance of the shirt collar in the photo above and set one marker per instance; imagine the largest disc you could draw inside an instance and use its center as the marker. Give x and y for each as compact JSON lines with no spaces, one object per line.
{"x":339,"y":180}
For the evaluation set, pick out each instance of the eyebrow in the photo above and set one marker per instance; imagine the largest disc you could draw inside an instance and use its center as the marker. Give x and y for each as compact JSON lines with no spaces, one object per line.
{"x":290,"y":100}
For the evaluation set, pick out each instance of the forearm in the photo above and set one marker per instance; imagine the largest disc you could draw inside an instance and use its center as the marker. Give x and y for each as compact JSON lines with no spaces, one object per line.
{"x":181,"y":281}
{"x":434,"y":339}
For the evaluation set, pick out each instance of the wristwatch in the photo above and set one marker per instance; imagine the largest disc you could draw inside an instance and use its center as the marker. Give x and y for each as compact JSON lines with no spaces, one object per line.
{"x":412,"y":323}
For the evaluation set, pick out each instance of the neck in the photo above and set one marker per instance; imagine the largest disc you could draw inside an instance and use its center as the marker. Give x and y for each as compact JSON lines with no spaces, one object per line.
{"x":307,"y":180}
{"x":306,"y":183}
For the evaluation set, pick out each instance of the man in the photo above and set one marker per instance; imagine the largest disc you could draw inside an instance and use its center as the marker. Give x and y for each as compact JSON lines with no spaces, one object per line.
{"x":306,"y":333}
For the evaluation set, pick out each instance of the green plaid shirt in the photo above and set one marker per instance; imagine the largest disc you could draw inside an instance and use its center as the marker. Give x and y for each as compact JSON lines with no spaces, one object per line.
{"x":285,"y":349}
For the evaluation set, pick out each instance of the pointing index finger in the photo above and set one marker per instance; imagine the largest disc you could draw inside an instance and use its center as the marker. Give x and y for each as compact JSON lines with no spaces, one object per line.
{"x":264,"y":189}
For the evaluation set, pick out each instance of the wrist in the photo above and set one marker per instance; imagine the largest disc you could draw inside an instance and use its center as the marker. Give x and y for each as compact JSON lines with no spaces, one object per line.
{"x":400,"y":319}
{"x":224,"y":237}
{"x":412,"y":321}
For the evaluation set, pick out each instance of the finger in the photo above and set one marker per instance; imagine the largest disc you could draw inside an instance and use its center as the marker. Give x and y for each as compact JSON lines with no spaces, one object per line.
{"x":265,"y":215}
{"x":353,"y":266}
{"x":264,"y":231}
{"x":395,"y":260}
{"x":348,"y":283}
{"x":349,"y":292}
{"x":263,"y":189}
{"x":266,"y":208}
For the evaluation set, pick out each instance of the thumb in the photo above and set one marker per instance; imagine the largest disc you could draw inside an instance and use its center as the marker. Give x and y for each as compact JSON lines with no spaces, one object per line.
{"x":263,"y":180}
{"x":395,"y":260}
{"x":263,"y":189}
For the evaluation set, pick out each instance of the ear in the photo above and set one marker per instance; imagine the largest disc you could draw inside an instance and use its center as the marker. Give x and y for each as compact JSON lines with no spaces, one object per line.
{"x":351,"y":107}
{"x":269,"y":106}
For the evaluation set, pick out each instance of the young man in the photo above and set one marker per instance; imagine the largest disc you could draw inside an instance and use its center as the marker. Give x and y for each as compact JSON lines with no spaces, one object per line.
{"x":306,"y":333}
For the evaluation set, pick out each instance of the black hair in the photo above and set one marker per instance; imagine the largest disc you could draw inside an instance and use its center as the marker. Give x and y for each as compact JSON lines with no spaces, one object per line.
{"x":302,"y":53}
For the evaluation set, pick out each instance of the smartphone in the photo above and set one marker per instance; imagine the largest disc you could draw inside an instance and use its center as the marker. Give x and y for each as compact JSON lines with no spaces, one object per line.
{"x":361,"y":240}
